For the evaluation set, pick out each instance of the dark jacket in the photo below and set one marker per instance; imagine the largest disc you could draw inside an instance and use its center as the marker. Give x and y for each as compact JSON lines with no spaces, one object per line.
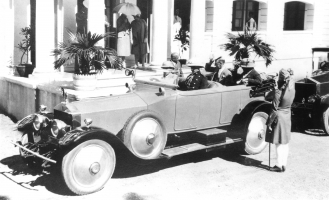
{"x":139,"y":31}
{"x":196,"y":81}
{"x":123,"y":23}
{"x":252,"y":75}
{"x":283,"y":98}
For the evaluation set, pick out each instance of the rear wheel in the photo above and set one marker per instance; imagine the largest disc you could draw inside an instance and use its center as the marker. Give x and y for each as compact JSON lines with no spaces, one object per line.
{"x":255,"y":139}
{"x":145,"y":135}
{"x":88,"y":166}
{"x":325,"y":121}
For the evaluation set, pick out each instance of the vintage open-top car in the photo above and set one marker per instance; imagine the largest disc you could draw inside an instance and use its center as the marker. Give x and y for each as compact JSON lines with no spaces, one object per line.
{"x":154,"y":120}
{"x":312,"y":97}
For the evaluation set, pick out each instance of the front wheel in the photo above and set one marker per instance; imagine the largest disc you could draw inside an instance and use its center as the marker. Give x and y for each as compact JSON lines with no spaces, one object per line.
{"x":255,"y":139}
{"x":325,"y":121}
{"x":88,"y":166}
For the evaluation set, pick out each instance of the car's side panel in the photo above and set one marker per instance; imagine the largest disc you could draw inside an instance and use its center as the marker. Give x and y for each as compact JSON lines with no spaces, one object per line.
{"x":187,"y":112}
{"x":210,"y":109}
{"x":166,"y":110}
{"x":245,"y":98}
{"x":230,"y":105}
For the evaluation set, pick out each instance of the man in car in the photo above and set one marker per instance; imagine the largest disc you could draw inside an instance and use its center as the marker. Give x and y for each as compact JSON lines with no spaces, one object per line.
{"x":221,"y":74}
{"x":195,"y":80}
{"x":174,"y":62}
{"x":246,"y":74}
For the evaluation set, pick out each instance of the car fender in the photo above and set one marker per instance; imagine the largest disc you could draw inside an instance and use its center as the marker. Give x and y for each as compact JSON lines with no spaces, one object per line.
{"x":81,"y":134}
{"x":241,"y":121}
{"x":325,"y":101}
{"x":250,"y":109}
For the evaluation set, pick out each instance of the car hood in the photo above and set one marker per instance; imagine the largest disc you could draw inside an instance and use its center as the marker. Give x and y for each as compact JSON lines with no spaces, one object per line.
{"x":110,"y":113}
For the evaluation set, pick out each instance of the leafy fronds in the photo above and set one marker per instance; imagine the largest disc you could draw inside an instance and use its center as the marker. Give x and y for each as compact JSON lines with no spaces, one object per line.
{"x":25,"y":45}
{"x":241,"y":45}
{"x":82,"y":49}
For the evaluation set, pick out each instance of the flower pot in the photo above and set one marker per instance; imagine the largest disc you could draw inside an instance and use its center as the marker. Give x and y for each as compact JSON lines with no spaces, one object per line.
{"x":28,"y":69}
{"x":25,"y":69}
{"x":21,"y":70}
{"x":84,"y":82}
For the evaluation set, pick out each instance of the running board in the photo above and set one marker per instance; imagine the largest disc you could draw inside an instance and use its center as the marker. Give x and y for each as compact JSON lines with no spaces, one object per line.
{"x":196,"y":147}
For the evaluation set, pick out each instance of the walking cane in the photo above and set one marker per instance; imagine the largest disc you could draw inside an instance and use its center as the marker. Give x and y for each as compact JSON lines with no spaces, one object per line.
{"x":269,"y":156}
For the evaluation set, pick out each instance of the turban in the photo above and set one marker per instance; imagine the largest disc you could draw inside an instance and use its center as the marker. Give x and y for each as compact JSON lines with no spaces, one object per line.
{"x":284,"y":74}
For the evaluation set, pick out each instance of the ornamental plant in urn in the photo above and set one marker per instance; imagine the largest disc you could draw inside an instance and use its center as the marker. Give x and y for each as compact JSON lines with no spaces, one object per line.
{"x":243,"y":45}
{"x":25,"y":68}
{"x":89,"y":58}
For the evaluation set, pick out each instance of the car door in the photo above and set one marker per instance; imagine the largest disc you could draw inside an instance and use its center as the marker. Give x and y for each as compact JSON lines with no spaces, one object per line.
{"x":231,"y":104}
{"x":187,"y":110}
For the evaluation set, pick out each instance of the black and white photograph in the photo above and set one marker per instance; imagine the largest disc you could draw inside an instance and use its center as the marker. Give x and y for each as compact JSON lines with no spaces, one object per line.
{"x":164,"y":99}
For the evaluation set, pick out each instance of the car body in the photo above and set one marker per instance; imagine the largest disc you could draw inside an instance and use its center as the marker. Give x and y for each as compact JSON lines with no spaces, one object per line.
{"x":154,"y":120}
{"x":312,"y":97}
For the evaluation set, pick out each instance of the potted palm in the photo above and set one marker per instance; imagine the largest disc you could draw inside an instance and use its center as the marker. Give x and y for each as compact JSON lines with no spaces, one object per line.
{"x":243,"y":45}
{"x":184,"y":37}
{"x":24,"y":69}
{"x":90,"y":59}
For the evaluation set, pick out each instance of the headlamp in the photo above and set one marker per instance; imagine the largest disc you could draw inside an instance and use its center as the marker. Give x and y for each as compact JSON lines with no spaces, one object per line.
{"x":56,"y":126}
{"x":40,"y":121}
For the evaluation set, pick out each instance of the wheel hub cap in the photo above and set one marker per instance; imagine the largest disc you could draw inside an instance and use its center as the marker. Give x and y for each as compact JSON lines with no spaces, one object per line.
{"x":95,"y":168}
{"x":150,"y":139}
{"x":261,"y":134}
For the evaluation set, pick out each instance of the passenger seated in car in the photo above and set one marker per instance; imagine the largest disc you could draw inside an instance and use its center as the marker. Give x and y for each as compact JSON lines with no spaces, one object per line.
{"x":195,"y":80}
{"x":221,"y":74}
{"x":244,"y":73}
{"x":170,"y":75}
{"x":174,"y":62}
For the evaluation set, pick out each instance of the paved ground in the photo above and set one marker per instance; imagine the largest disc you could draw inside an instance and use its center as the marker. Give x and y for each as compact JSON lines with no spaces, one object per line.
{"x":214,"y":175}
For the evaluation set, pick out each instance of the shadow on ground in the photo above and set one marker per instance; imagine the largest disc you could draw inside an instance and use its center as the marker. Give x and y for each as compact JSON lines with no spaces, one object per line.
{"x":50,"y":178}
{"x":126,"y":167}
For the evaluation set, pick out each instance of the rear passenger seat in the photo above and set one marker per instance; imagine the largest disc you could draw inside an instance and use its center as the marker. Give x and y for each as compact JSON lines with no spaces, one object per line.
{"x":213,"y":84}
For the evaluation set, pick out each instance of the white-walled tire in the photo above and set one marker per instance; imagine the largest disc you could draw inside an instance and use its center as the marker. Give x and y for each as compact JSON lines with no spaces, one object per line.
{"x":255,"y":138}
{"x":88,"y":166}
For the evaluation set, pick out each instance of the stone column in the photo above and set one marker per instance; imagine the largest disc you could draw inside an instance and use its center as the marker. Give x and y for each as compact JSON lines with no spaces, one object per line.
{"x":159,"y":32}
{"x":170,"y":27}
{"x":96,"y":18}
{"x":7,"y":33}
{"x":197,"y":30}
{"x":45,"y":36}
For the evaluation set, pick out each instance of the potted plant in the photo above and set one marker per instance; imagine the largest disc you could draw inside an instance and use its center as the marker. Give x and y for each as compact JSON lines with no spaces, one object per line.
{"x":89,"y":58}
{"x":244,"y":44}
{"x":24,"y":69}
{"x":184,"y":37}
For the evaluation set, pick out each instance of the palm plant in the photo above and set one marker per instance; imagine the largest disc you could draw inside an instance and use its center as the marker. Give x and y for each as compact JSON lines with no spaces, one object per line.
{"x":89,"y":58}
{"x":25,"y":45}
{"x":242,"y":45}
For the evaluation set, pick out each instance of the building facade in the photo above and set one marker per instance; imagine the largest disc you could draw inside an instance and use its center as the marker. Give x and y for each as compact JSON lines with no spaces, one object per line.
{"x":292,"y":27}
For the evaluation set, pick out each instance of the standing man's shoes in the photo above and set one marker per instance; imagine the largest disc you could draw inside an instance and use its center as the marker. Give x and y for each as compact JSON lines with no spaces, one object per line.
{"x":276,"y":169}
{"x":283,"y":168}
